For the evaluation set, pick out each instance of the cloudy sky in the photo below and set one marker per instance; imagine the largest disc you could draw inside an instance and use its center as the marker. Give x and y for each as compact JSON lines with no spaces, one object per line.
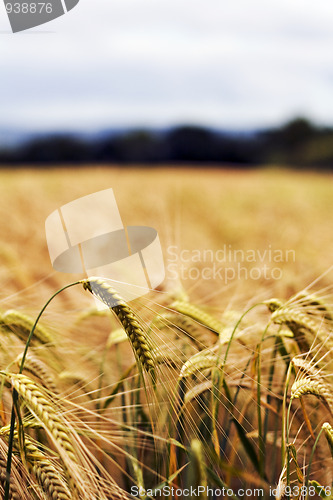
{"x":231,"y":64}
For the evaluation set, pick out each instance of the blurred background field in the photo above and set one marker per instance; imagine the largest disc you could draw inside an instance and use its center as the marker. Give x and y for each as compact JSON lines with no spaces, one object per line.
{"x":198,"y":213}
{"x":193,"y":211}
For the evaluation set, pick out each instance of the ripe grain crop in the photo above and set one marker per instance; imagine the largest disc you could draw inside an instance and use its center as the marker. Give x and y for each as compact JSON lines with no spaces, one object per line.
{"x":200,"y":383}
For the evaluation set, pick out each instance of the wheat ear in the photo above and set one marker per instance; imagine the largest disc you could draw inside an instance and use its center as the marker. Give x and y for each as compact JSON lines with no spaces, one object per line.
{"x":273,"y":304}
{"x":308,"y":369}
{"x":127,"y":318}
{"x":38,"y":402}
{"x":39,"y":370}
{"x":198,"y":315}
{"x":198,"y":362}
{"x":21,"y":325}
{"x":316,"y":387}
{"x":313,"y":375}
{"x":50,"y":481}
{"x":328,"y":430}
{"x":303,"y":327}
{"x":13,"y":492}
{"x":48,"y":477}
{"x":183,"y":323}
{"x":317,"y":303}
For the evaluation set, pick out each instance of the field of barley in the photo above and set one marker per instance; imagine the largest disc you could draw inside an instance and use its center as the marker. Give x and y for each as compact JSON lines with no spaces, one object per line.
{"x":217,"y":384}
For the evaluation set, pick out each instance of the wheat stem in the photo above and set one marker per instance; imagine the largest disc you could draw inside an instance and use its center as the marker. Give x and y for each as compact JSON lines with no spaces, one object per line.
{"x":15,"y":394}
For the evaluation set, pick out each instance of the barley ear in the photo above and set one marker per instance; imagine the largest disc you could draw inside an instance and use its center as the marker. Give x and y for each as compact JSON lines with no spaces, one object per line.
{"x":198,"y":315}
{"x":137,"y":337}
{"x":316,"y":387}
{"x":328,"y":430}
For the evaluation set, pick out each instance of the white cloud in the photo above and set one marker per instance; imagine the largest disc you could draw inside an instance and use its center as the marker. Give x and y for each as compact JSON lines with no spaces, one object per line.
{"x":110,"y":62}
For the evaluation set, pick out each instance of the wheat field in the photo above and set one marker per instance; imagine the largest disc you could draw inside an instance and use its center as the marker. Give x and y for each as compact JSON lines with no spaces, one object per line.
{"x":217,"y":384}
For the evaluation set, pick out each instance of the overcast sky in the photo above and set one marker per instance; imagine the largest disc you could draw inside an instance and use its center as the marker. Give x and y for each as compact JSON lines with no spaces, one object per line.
{"x":224,"y":63}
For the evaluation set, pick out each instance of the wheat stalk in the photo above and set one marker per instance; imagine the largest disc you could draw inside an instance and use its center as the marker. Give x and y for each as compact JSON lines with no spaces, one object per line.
{"x":199,"y":466}
{"x":27,"y":424}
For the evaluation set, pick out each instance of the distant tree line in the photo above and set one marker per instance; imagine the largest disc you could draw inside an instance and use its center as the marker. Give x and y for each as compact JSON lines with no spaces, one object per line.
{"x":299,"y":143}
